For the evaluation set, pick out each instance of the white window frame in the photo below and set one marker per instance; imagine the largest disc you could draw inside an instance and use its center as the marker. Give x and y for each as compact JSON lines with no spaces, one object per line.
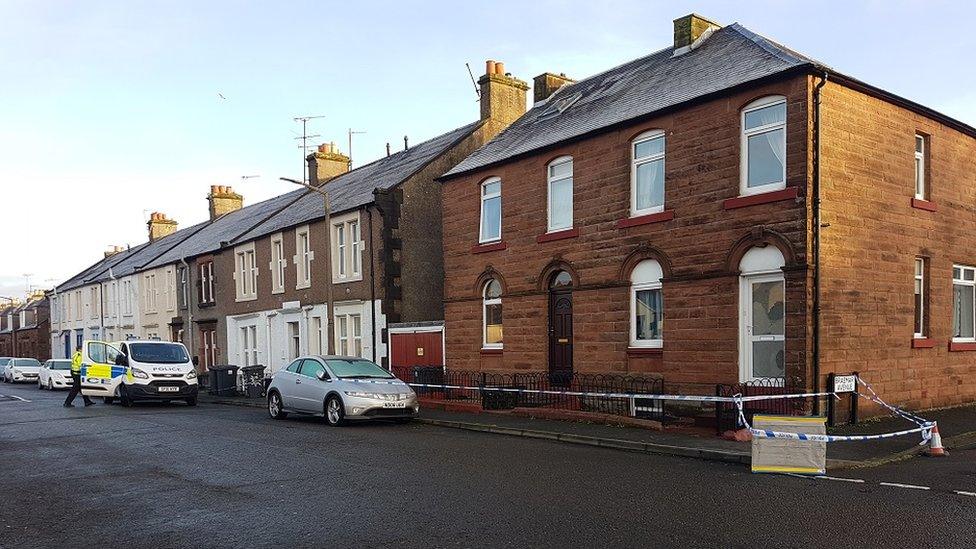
{"x":303,"y":257}
{"x":347,"y":248}
{"x":184,"y":274}
{"x":278,"y":264}
{"x":761,"y":103}
{"x":638,"y":287}
{"x":349,"y":339}
{"x":961,"y":281}
{"x":550,"y":179}
{"x":245,"y":273}
{"x":207,"y":280}
{"x":920,"y":167}
{"x":635,"y":162}
{"x":150,"y":294}
{"x":94,"y":302}
{"x":485,"y":303}
{"x":919,"y":267}
{"x":481,"y":215}
{"x":170,"y":289}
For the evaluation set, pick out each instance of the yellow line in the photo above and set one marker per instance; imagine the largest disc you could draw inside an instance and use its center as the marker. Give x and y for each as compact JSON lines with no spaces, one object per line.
{"x":777,"y":469}
{"x":790,"y":419}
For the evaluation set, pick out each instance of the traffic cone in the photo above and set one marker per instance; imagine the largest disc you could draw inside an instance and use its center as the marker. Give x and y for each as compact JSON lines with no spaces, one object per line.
{"x":935,"y":443}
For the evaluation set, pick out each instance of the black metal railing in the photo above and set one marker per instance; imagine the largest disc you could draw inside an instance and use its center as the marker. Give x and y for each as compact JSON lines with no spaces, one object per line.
{"x":727,"y":413}
{"x":540,"y":390}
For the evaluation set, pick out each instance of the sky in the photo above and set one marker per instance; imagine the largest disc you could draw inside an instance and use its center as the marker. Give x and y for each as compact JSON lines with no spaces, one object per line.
{"x":112,"y":110}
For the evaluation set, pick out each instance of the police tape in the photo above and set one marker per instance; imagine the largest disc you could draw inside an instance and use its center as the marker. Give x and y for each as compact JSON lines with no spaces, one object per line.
{"x":594,"y":394}
{"x":926,"y":431}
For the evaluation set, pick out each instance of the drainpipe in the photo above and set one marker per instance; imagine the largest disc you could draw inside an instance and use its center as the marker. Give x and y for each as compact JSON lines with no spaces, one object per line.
{"x":817,"y":225}
{"x":372,"y":282}
{"x":189,"y":308}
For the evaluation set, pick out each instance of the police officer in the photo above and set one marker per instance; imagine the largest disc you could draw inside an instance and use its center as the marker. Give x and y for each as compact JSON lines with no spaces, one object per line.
{"x":76,"y":381}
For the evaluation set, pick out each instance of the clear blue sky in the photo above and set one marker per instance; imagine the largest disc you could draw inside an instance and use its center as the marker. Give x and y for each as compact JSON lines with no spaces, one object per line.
{"x":109,"y":110}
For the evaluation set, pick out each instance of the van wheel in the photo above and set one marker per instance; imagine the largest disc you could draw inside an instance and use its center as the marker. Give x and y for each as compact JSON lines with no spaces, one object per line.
{"x":192,"y":401}
{"x":108,"y":400}
{"x":275,"y":408}
{"x":334,"y":411}
{"x":124,"y":396}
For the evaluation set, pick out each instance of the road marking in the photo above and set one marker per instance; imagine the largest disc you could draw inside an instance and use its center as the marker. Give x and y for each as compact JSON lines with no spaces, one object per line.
{"x":909,"y":486}
{"x":961,"y":493}
{"x":13,"y":397}
{"x":841,"y":479}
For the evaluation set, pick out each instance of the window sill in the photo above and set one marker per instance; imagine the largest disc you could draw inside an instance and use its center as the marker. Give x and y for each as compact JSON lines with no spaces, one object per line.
{"x":962,"y":346}
{"x":248,"y":298}
{"x":923,"y":343}
{"x":788,"y":193}
{"x":557,"y":235}
{"x":926,"y":205}
{"x":491,"y":351}
{"x":206,"y":304}
{"x":345,"y":280}
{"x":645,"y":351}
{"x":666,"y":215}
{"x":490,"y":247}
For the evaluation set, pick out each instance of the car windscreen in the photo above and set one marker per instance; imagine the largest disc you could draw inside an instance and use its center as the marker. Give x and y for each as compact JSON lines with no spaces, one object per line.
{"x":159,"y":353}
{"x":60,"y":364}
{"x":4,"y":361}
{"x":27,"y":362}
{"x":357,"y":368}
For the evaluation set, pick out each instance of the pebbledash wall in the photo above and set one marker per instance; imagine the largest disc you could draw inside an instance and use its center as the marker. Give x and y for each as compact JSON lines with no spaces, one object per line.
{"x":699,"y":249}
{"x":875,"y":232}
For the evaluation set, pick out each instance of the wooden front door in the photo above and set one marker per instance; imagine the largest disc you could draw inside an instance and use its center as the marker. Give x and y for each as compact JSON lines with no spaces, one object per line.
{"x":561,"y":336}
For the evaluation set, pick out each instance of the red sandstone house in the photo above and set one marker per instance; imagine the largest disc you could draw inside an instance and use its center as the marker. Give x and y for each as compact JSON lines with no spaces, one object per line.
{"x":725,"y":210}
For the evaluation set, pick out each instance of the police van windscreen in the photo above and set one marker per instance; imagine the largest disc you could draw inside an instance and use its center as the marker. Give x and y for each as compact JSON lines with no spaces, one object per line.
{"x":160,"y":353}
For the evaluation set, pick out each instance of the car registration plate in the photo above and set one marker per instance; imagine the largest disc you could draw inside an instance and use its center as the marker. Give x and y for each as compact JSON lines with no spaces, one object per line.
{"x":394,"y":404}
{"x":169,"y":389}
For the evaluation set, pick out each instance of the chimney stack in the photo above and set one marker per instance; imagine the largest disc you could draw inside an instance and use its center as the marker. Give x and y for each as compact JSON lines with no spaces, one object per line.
{"x":689,"y":28}
{"x":112,"y":250}
{"x":160,"y":226}
{"x":223,"y":199}
{"x":546,"y":84}
{"x":326,"y":163}
{"x":502,"y":96}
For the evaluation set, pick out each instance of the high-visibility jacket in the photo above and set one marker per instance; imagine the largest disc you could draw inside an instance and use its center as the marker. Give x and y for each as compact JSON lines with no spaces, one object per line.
{"x":76,"y":363}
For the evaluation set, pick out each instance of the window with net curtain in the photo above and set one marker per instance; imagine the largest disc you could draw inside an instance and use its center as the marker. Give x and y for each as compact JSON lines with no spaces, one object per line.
{"x":491,"y":210}
{"x":764,"y":145}
{"x":647,"y":173}
{"x":963,"y":303}
{"x":560,"y":180}
{"x":646,"y":305}
{"x":492,"y":314}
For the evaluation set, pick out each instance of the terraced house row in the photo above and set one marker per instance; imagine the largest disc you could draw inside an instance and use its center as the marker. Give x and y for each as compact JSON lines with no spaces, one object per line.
{"x":723,"y":210}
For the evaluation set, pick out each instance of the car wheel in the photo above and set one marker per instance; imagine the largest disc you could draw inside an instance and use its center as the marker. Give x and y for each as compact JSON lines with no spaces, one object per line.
{"x":275,"y":408}
{"x":334,"y":411}
{"x":124,"y":396}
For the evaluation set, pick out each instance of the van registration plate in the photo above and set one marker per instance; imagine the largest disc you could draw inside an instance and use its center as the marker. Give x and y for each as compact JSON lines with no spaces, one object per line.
{"x":169,"y":389}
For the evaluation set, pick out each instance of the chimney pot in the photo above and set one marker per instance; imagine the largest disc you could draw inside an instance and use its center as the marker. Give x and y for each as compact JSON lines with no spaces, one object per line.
{"x":489,"y":67}
{"x":499,"y":67}
{"x":213,"y":189}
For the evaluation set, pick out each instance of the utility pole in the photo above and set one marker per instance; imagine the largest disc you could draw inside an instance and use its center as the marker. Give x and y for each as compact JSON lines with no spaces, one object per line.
{"x":352,"y":133}
{"x":328,"y":259}
{"x":305,"y":137}
{"x":27,"y":282}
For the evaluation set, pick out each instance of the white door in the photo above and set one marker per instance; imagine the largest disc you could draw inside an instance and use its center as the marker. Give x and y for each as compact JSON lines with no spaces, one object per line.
{"x":763,"y":328}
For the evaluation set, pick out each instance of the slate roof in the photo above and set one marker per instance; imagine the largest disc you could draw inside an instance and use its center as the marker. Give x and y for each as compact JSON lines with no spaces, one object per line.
{"x":355,"y":188}
{"x":85,"y":276}
{"x":731,"y":56}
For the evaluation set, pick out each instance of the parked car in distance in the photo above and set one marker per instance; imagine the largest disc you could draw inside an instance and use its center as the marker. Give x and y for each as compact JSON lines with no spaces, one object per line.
{"x":4,"y":361}
{"x":22,"y":369}
{"x":55,"y":374}
{"x":340,"y":388}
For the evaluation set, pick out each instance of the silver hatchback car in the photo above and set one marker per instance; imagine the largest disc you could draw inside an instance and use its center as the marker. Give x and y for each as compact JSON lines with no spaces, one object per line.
{"x":340,"y":388}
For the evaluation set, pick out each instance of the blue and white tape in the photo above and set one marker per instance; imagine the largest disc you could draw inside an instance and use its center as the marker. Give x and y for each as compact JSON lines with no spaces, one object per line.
{"x":926,"y":431}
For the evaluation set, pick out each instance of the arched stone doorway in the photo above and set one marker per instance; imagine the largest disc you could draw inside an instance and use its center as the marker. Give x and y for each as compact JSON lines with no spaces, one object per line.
{"x":561,"y":328}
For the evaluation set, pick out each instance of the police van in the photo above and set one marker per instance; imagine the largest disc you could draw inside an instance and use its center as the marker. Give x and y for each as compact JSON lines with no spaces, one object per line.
{"x":138,"y":370}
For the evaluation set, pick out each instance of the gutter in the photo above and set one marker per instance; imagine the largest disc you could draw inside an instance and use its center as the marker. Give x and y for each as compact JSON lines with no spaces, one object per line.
{"x":189,"y":309}
{"x":817,"y":226}
{"x":372,"y":279}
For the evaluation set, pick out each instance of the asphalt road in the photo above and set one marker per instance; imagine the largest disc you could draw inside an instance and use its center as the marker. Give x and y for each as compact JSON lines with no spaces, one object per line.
{"x":225,"y":476}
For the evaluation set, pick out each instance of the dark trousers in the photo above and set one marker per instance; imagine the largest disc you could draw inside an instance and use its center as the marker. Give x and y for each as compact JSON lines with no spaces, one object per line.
{"x":75,"y":389}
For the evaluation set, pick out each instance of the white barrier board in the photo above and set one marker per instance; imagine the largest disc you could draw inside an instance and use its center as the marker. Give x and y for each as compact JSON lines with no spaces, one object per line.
{"x":783,"y":455}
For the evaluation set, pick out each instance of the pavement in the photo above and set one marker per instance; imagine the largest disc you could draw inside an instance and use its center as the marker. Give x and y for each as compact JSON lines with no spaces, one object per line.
{"x":957,"y":425}
{"x":228,"y":476}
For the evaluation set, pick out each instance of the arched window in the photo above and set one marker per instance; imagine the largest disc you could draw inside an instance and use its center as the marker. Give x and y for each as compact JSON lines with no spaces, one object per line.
{"x":764,"y":145}
{"x":492,"y":314}
{"x":646,"y":305}
{"x":560,"y":182}
{"x":491,"y":210}
{"x":647,"y":173}
{"x":560,"y":280}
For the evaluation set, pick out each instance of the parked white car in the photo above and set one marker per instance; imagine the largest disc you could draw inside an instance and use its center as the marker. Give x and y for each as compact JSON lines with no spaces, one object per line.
{"x":22,"y":369}
{"x":55,"y":374}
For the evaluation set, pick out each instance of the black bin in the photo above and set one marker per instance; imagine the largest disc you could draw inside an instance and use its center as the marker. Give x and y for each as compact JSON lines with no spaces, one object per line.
{"x":252,"y":378}
{"x":223,"y":380}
